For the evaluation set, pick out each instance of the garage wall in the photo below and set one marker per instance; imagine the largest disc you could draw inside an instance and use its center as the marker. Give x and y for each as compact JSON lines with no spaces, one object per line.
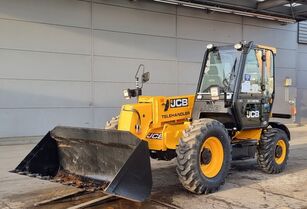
{"x":302,"y":83}
{"x":45,"y":53}
{"x":284,"y":38}
{"x":66,"y":62}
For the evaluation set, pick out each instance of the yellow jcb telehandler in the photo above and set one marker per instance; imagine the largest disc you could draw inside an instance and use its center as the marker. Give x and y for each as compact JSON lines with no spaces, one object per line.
{"x":228,"y":118}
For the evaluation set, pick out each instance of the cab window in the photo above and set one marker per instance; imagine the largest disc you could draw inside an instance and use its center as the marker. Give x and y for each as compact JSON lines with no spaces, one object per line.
{"x":269,"y":74}
{"x":251,"y":81}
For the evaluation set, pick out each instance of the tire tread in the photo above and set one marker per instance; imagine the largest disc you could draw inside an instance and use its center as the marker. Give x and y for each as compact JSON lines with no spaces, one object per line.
{"x":187,"y":157}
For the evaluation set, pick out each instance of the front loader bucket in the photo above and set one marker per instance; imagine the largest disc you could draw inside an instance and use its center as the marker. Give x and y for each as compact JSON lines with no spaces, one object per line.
{"x":113,"y":160}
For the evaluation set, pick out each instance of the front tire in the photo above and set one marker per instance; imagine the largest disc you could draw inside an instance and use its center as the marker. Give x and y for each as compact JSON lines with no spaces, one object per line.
{"x":204,"y":156}
{"x":273,"y":151}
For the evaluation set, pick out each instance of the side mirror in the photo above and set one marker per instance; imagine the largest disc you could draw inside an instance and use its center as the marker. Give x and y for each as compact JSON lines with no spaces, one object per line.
{"x":145,"y":77}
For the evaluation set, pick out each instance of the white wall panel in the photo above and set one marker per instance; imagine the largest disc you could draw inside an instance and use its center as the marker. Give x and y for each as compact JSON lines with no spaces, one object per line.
{"x":271,"y":37}
{"x":280,"y":104}
{"x":124,"y":69}
{"x":34,"y":122}
{"x":48,"y":66}
{"x":63,"y":12}
{"x":302,"y":48}
{"x":101,"y":115}
{"x":160,"y":89}
{"x":190,"y":50}
{"x":134,"y":46}
{"x":302,"y":105}
{"x":286,"y":58}
{"x":301,"y":75}
{"x":111,"y":94}
{"x":282,"y":74}
{"x":133,"y":20}
{"x":187,"y":89}
{"x":302,"y":61}
{"x":188,"y":72}
{"x":201,"y":29}
{"x":42,"y":37}
{"x":27,"y":93}
{"x":302,"y":79}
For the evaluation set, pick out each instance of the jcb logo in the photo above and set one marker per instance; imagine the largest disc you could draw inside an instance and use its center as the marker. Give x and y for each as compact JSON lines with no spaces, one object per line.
{"x":154,"y":136}
{"x":184,"y":102}
{"x":252,"y":114}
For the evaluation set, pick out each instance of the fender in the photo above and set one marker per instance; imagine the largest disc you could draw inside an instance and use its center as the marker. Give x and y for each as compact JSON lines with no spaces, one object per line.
{"x":280,"y":126}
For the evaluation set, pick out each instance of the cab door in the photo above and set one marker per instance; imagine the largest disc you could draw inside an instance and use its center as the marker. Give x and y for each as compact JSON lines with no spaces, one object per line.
{"x":253,"y":104}
{"x":268,"y":85}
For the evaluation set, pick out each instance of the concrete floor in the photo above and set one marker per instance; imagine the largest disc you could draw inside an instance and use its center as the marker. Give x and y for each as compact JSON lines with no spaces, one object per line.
{"x":246,"y":185}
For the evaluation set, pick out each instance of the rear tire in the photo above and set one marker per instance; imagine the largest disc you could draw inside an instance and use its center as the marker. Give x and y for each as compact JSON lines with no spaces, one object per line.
{"x":112,"y":124}
{"x":204,"y":156}
{"x":273,"y":151}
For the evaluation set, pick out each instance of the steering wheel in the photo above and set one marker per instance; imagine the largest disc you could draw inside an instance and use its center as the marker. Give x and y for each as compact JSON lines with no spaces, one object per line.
{"x":209,"y":87}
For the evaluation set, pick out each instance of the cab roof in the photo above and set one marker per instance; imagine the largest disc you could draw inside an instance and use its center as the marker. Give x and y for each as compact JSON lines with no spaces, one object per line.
{"x":273,"y":49}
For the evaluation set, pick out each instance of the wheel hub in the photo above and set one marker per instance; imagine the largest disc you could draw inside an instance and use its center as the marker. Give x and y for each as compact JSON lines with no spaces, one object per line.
{"x":206,"y":156}
{"x":278,"y":151}
{"x":211,"y":157}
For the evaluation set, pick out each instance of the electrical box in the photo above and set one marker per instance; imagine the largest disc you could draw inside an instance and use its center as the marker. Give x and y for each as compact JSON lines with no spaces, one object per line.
{"x":287,"y":82}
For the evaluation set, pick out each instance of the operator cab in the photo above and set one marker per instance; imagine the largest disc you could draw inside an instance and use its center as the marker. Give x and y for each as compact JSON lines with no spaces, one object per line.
{"x":236,"y":85}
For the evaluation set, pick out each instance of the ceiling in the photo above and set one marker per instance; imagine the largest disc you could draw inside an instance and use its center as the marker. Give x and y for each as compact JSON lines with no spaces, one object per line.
{"x":280,"y":10}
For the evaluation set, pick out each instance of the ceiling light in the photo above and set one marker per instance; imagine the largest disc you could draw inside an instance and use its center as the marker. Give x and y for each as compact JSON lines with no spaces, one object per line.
{"x":229,"y":11}
{"x":167,"y":1}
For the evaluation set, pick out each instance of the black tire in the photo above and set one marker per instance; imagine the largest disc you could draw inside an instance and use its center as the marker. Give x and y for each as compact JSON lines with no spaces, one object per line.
{"x":112,"y":124}
{"x":267,"y":150}
{"x":188,"y":156}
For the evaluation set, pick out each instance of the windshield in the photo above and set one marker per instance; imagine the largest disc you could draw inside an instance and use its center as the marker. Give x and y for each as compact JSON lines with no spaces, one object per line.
{"x":220,"y":66}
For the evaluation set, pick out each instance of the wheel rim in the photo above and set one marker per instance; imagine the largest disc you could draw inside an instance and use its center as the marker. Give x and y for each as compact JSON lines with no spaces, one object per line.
{"x":280,"y":151}
{"x":211,"y":157}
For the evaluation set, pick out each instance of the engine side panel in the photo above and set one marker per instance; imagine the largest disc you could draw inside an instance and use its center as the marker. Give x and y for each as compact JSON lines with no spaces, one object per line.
{"x":158,"y":120}
{"x":169,"y":109}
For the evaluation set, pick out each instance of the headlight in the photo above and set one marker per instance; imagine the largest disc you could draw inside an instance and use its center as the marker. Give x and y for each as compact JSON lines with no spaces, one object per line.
{"x":238,"y":46}
{"x":127,"y":94}
{"x":209,"y":46}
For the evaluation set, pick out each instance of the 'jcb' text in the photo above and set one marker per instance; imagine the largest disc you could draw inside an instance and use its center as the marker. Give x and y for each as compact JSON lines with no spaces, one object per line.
{"x":154,"y":136}
{"x":252,"y":114}
{"x":183,"y":102}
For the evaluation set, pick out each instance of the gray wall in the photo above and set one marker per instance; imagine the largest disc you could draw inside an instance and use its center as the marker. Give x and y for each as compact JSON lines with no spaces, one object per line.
{"x":302,"y":83}
{"x":67,"y":61}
